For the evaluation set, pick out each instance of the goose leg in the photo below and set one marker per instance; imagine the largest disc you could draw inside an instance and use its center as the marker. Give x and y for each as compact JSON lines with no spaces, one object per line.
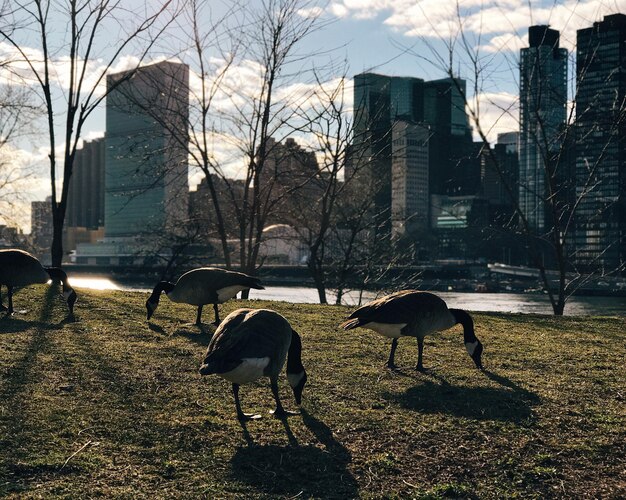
{"x":390,"y":363}
{"x":217,"y":315}
{"x":10,"y":294}
{"x":2,"y":306}
{"x":199,"y":317}
{"x":279,"y":412}
{"x":240,"y":414}
{"x":420,"y":350}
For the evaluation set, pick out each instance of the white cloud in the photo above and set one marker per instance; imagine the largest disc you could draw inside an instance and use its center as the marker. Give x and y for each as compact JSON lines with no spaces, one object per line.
{"x":442,"y":19}
{"x":498,"y":111}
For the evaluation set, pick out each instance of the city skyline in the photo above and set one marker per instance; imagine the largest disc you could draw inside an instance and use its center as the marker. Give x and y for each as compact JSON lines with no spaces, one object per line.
{"x":374,"y":36}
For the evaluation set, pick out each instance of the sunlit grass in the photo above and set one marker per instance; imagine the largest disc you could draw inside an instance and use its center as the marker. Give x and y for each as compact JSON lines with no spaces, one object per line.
{"x":112,"y":405}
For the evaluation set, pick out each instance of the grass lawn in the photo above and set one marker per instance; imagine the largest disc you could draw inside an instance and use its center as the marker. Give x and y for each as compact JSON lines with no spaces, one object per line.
{"x":112,"y":405}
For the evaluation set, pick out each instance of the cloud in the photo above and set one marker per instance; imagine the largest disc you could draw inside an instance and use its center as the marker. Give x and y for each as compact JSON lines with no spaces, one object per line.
{"x":442,"y":19}
{"x":499,"y":113}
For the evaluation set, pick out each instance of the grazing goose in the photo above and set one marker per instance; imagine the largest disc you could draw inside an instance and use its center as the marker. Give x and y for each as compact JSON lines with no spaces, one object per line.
{"x":253,"y":343}
{"x":205,"y":285}
{"x":414,"y":314}
{"x":19,"y":268}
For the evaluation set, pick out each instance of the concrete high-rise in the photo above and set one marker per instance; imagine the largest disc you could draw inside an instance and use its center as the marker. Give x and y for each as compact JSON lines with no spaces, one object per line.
{"x":379,"y":100}
{"x":147,"y":115}
{"x":600,"y":235}
{"x":85,"y":203}
{"x":409,"y":178}
{"x":543,"y":108}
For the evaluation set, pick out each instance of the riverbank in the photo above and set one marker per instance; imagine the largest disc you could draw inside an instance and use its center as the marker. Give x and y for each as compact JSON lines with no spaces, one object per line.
{"x":112,"y":405}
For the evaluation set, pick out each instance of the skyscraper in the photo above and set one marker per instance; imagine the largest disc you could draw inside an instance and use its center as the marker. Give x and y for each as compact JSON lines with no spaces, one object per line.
{"x":601,"y":144}
{"x":452,"y":153}
{"x":85,"y":203}
{"x":409,"y":178}
{"x":543,"y":101}
{"x":379,"y":100}
{"x":147,"y":114}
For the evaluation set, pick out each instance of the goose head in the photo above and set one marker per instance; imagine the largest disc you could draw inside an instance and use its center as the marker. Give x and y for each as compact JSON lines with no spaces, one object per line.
{"x":153,"y":301}
{"x":151,"y":304}
{"x":70,"y":297}
{"x":297,"y":382}
{"x":475,"y":350}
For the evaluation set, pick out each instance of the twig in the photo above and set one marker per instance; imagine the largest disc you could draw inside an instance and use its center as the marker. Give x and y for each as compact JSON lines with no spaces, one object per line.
{"x":411,"y":485}
{"x":76,"y":453}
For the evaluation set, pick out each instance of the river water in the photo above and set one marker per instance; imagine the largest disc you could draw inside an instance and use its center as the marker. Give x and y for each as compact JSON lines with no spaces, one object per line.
{"x":494,"y":302}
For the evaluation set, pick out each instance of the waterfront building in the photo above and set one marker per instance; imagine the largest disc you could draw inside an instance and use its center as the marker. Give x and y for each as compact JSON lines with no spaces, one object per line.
{"x":41,"y":225}
{"x":147,"y":117}
{"x":380,"y":100}
{"x":409,"y":178}
{"x":84,"y":218}
{"x":543,"y":108}
{"x":454,"y":164}
{"x":600,"y":236}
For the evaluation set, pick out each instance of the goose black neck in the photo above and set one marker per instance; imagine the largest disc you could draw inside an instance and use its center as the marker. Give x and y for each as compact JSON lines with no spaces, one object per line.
{"x":164,"y":286}
{"x":466,"y":321}
{"x":294,"y":357}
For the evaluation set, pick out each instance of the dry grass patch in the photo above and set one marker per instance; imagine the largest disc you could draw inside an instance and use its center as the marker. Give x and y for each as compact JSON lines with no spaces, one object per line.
{"x":112,"y":405}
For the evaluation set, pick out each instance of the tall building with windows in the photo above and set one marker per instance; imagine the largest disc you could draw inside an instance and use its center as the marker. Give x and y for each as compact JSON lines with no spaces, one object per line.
{"x":543,"y":108}
{"x":379,"y":100}
{"x":147,"y":115}
{"x":84,"y":219}
{"x":409,"y":178}
{"x":453,"y":165}
{"x":601,"y":144}
{"x":85,"y":203}
{"x":452,"y":153}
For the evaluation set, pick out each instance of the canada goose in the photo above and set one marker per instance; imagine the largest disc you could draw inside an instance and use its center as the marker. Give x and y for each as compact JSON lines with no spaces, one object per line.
{"x":205,"y":285}
{"x":414,"y":314}
{"x":253,"y":343}
{"x":19,"y":268}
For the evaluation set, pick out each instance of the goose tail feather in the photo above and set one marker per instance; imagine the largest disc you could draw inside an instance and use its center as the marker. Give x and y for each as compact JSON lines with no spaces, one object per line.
{"x":351,"y":323}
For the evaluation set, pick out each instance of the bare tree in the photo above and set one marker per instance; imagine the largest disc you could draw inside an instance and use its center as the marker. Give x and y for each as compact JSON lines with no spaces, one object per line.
{"x":245,"y":115}
{"x":262,"y":115}
{"x":17,"y":114}
{"x":68,"y":73}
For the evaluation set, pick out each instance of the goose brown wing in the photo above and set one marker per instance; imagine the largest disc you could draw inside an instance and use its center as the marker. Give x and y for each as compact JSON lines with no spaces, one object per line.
{"x":215,"y":279}
{"x":19,"y":268}
{"x":249,"y":333}
{"x":399,"y":307}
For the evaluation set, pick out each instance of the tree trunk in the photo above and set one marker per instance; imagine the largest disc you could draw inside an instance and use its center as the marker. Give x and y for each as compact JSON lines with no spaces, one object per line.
{"x":56,"y":249}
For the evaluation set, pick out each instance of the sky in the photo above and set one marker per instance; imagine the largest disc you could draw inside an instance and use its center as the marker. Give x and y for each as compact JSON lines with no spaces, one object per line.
{"x":394,"y":37}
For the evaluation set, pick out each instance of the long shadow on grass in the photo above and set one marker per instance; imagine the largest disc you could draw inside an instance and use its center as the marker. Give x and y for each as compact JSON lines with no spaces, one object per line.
{"x":308,"y":471}
{"x":511,"y":403}
{"x":15,"y":445}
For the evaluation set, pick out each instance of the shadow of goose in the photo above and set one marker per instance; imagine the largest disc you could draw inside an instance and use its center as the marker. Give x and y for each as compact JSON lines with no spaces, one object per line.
{"x":510,"y":403}
{"x":296,"y":470}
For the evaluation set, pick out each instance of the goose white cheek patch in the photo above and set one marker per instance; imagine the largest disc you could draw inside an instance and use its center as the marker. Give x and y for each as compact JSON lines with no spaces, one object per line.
{"x":294,"y":378}
{"x":471,"y":347}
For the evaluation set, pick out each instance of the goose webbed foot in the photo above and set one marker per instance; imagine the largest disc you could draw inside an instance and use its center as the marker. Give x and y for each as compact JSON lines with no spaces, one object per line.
{"x":282,"y":413}
{"x":420,"y":368}
{"x":391,"y":366}
{"x":244,"y":417}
